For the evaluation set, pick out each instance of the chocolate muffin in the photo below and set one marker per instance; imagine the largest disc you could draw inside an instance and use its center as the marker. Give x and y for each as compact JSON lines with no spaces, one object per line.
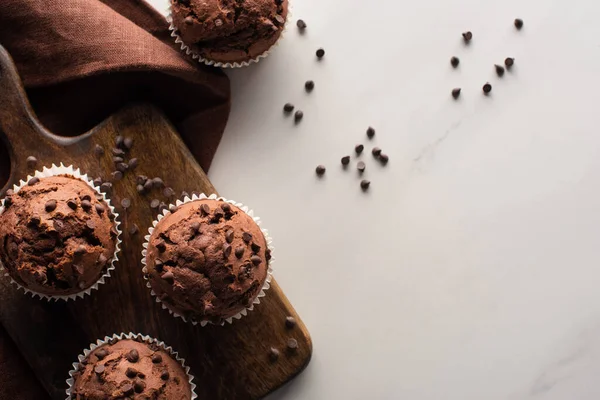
{"x":229,"y":31}
{"x":130,"y":369}
{"x":56,"y":236}
{"x":207,"y":261}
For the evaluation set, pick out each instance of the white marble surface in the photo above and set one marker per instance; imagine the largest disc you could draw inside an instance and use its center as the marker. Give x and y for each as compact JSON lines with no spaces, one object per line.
{"x":471,"y":268}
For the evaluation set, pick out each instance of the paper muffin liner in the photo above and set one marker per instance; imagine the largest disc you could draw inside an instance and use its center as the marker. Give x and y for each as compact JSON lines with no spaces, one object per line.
{"x":55,"y":170}
{"x":245,"y":209}
{"x":190,"y":51}
{"x":132,"y":336}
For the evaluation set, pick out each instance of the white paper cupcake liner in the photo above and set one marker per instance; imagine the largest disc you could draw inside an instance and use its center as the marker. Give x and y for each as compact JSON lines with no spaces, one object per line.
{"x":190,"y":52}
{"x":245,"y":209}
{"x":54,"y":170}
{"x":132,"y":336}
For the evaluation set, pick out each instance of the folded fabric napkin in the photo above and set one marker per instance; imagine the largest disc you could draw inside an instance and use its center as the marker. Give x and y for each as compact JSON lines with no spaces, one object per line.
{"x":81,"y":60}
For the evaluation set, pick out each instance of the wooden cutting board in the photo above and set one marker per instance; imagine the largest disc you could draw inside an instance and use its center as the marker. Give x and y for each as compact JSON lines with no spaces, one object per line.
{"x":229,"y":362}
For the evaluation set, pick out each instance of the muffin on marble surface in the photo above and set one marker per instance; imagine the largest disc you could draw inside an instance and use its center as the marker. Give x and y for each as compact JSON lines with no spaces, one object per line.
{"x":207,"y":261}
{"x":229,"y":31}
{"x":130,"y":367}
{"x":57,"y":235}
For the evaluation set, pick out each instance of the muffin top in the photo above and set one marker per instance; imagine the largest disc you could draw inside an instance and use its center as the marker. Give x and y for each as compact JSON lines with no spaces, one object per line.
{"x":229,"y":30}
{"x":56,"y":235}
{"x":128,"y":369}
{"x":208,"y":260}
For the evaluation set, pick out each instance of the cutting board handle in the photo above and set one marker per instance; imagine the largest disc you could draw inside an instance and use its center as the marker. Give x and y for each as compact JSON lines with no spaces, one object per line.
{"x":18,"y":123}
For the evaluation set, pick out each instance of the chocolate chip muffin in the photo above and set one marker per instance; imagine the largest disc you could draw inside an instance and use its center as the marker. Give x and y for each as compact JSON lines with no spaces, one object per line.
{"x":56,"y":236}
{"x":207,"y":261}
{"x":130,"y":369}
{"x":229,"y":31}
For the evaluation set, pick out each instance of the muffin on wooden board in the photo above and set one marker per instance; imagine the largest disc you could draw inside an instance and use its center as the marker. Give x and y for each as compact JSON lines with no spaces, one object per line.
{"x":207,"y":261}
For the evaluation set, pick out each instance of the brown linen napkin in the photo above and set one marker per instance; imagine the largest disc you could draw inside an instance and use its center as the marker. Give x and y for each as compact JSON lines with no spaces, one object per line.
{"x":81,"y":60}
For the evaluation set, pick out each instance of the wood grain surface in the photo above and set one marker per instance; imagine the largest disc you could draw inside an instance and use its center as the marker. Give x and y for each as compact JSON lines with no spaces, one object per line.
{"x":229,"y":362}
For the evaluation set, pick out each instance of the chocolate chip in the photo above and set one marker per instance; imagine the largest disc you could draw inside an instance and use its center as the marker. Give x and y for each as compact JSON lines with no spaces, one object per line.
{"x":320,"y":170}
{"x":218,"y":22}
{"x":117,"y":160}
{"x":168,"y":192}
{"x":226,"y":207}
{"x":164,"y":375}
{"x":133,"y":163}
{"x":298,"y":115}
{"x":288,"y":108}
{"x":106,"y":187}
{"x":141,"y":179}
{"x":454,"y":61}
{"x":518,"y":23}
{"x":8,"y":202}
{"x":117,"y":175}
{"x":301,"y":24}
{"x":268,"y":254}
{"x":370,"y":132}
{"x":122,"y":167}
{"x":154,"y":204}
{"x":117,"y":152}
{"x":273,"y":354}
{"x":256,"y":260}
{"x":33,"y":181}
{"x":247,"y":237}
{"x":127,"y":389}
{"x":456,"y":93}
{"x":499,"y":70}
{"x":320,"y":53}
{"x":280,"y":19}
{"x":189,"y":20}
{"x":255,"y":248}
{"x":31,"y":161}
{"x":90,"y":224}
{"x":99,"y":208}
{"x":99,"y":150}
{"x":467,"y":36}
{"x":158,"y":183}
{"x":487,"y":88}
{"x":227,"y":250}
{"x":133,"y":229}
{"x":345,"y":160}
{"x":119,"y":141}
{"x":376,"y":151}
{"x":361,"y":166}
{"x":148,"y":185}
{"x":383,"y":158}
{"x":140,"y":189}
{"x":128,"y":143}
{"x":185,"y":194}
{"x":86,"y":197}
{"x":205,"y":209}
{"x":359,"y":148}
{"x":101,"y":353}
{"x":80,"y":250}
{"x":50,"y":205}
{"x":131,"y":373}
{"x":195,"y":226}
{"x":309,"y":86}
{"x":217,"y":215}
{"x":173,"y":208}
{"x":133,"y":356}
{"x":168,"y":276}
{"x":72,"y":204}
{"x":86,"y":205}
{"x":239,"y":251}
{"x":156,"y":358}
{"x":139,"y":386}
{"x":161,"y":246}
{"x":97,"y":181}
{"x":290,"y":322}
{"x":364,"y":184}
{"x":158,"y":265}
{"x":229,"y":236}
{"x":509,"y":62}
{"x":292,"y":344}
{"x":99,"y":368}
